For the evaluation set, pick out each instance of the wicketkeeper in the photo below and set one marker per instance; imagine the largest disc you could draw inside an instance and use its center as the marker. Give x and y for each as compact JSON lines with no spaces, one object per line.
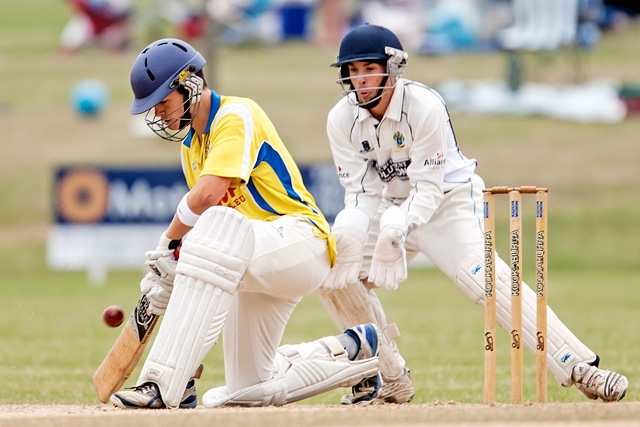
{"x":409,"y":189}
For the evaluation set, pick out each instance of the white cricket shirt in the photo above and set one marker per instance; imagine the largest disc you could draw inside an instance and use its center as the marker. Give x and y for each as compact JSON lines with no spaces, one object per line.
{"x":410,"y":156}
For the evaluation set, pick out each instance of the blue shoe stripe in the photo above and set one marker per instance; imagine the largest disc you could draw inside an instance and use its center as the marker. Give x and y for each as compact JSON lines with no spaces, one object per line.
{"x":372,"y":338}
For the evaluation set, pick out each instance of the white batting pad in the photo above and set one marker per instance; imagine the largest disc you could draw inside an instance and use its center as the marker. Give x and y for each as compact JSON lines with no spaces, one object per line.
{"x":564,"y":349}
{"x":303,"y":371}
{"x":218,"y":249}
{"x":355,"y":305}
{"x":212,"y":261}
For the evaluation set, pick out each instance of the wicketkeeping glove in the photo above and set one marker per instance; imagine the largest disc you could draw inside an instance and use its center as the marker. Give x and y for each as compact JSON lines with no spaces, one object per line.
{"x":389,"y":261}
{"x":349,"y":245}
{"x":350,"y":229}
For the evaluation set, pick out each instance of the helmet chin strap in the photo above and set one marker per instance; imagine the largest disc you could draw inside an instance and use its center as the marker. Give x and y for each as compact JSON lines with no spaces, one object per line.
{"x":186,"y":118}
{"x":376,"y":100}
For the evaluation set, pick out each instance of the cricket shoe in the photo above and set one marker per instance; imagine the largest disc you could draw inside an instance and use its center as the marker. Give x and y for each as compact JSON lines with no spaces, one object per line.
{"x":396,"y":391}
{"x":147,"y":396}
{"x":597,"y":383}
{"x":366,"y":336}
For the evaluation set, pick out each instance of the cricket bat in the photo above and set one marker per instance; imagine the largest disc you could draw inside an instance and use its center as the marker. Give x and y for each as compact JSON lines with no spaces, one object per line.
{"x":128,"y":348}
{"x":125,"y":352}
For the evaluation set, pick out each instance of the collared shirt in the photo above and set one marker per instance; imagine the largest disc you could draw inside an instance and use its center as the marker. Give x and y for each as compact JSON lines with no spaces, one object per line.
{"x":241,"y":142}
{"x":410,"y":156}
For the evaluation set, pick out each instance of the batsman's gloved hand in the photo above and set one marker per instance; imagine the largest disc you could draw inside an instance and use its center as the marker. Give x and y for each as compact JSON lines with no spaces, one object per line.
{"x":349,"y":246}
{"x":389,"y":261}
{"x":157,"y":292}
{"x":162,"y":261}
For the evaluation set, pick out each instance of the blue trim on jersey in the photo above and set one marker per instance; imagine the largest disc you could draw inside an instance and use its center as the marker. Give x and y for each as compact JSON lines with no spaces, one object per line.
{"x":257,"y":197}
{"x":215,"y":106}
{"x":271,"y":157}
{"x":187,"y":140}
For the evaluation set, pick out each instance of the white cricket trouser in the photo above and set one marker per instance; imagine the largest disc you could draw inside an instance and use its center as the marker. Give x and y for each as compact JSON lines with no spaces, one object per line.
{"x":288,"y":262}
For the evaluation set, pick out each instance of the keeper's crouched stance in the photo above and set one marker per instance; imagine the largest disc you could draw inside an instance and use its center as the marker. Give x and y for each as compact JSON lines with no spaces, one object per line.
{"x":409,"y":189}
{"x":209,"y":295}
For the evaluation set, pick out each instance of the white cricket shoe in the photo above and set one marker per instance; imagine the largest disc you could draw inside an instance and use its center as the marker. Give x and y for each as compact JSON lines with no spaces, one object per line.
{"x":147,"y":396}
{"x":397,"y":391}
{"x":597,"y":383}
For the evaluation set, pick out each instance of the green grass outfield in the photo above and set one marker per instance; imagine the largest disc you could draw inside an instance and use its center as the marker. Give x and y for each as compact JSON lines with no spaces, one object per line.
{"x":51,"y":334}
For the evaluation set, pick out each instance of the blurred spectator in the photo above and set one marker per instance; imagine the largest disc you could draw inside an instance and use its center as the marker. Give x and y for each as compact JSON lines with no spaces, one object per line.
{"x":104,"y":23}
{"x":632,"y":7}
{"x":619,"y":13}
{"x":183,"y":19}
{"x":452,"y":26}
{"x":273,"y":21}
{"x":405,"y":18}
{"x":243,"y":21}
{"x":332,"y":17}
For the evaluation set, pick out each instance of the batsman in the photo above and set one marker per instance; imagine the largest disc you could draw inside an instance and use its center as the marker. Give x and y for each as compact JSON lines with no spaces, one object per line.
{"x":252,"y":244}
{"x":409,"y":189}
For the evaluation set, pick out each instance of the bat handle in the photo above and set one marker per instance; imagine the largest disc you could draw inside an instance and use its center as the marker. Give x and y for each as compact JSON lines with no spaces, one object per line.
{"x":176,"y":245}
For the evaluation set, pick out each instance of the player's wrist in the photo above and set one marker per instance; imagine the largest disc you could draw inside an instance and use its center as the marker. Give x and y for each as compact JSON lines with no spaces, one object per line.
{"x":396,"y":218}
{"x":185,"y":214}
{"x":352,"y":219}
{"x":168,"y":243}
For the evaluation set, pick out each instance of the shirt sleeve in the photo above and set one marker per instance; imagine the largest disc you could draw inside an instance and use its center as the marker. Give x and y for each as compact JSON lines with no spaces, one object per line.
{"x":427,"y":169}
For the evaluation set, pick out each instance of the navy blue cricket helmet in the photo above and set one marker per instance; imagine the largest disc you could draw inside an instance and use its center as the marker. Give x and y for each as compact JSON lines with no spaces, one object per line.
{"x":370,"y":43}
{"x":366,"y":43}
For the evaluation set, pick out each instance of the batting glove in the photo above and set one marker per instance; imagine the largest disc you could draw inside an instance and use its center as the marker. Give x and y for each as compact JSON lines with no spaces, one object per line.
{"x":157,"y":292}
{"x":389,"y":261}
{"x":162,"y":262}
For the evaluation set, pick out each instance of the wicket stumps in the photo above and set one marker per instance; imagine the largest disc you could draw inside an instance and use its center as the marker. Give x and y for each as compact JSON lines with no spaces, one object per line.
{"x":515,"y":263}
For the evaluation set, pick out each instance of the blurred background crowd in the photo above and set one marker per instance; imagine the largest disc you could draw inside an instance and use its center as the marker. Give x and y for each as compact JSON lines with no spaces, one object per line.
{"x":432,"y":27}
{"x":515,"y":28}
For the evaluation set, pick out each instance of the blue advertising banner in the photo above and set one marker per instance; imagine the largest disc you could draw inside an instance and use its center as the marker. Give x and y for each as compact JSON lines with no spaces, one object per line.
{"x":109,"y":195}
{"x":107,"y":217}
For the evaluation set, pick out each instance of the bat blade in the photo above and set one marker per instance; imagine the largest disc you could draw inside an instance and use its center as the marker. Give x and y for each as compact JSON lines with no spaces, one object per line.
{"x":125,"y":352}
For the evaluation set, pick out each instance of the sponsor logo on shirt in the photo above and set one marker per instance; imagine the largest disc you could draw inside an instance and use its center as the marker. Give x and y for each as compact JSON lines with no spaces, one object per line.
{"x":231,"y":199}
{"x":436,"y":162}
{"x":341,"y":174}
{"x":399,"y":139}
{"x":390,"y":169}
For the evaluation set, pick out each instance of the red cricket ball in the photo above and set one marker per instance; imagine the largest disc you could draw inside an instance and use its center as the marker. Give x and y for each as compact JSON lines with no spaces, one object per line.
{"x":113,"y":316}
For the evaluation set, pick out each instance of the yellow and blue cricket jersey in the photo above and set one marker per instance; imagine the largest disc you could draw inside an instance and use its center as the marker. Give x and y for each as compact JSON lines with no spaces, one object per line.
{"x":241,"y":143}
